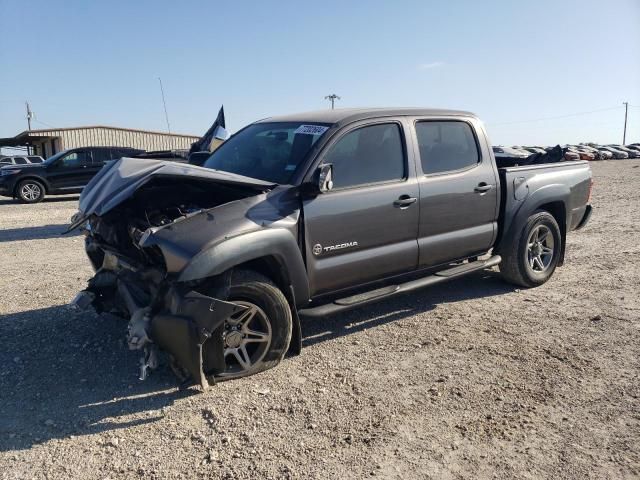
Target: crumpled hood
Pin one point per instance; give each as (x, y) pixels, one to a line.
(118, 180)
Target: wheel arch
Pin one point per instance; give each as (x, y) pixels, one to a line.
(272, 268)
(551, 198)
(558, 211)
(273, 252)
(40, 180)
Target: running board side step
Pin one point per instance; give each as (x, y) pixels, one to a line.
(366, 298)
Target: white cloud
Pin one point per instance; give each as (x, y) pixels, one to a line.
(429, 66)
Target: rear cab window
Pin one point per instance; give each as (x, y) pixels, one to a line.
(446, 146)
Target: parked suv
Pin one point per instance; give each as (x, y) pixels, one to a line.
(312, 214)
(20, 160)
(66, 172)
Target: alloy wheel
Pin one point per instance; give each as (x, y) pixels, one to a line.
(30, 191)
(540, 248)
(246, 337)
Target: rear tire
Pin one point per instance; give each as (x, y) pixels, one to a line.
(533, 256)
(30, 191)
(267, 327)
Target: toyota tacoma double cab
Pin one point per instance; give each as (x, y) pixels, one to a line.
(310, 215)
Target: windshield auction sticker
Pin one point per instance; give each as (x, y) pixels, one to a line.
(311, 130)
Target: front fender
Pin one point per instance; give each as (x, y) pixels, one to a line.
(278, 243)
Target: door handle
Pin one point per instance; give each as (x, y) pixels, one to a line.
(483, 188)
(404, 201)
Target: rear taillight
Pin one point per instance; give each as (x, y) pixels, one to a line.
(590, 189)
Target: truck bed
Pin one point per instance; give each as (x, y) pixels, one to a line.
(532, 185)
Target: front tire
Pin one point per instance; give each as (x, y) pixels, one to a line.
(256, 339)
(534, 254)
(30, 191)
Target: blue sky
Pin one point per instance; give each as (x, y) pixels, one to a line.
(514, 63)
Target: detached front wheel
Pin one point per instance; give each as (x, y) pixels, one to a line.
(534, 254)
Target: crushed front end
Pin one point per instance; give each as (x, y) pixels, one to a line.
(162, 314)
(138, 246)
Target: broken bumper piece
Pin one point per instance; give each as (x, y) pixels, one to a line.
(181, 328)
(183, 333)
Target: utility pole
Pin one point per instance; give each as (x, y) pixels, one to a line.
(29, 114)
(332, 98)
(166, 115)
(29, 117)
(624, 135)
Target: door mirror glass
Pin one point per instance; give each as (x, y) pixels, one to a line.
(325, 177)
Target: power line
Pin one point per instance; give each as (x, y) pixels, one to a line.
(558, 116)
(42, 123)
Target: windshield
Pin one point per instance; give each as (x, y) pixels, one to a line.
(267, 151)
(55, 157)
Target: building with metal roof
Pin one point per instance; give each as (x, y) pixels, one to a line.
(53, 140)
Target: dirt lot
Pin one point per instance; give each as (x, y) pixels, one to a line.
(473, 379)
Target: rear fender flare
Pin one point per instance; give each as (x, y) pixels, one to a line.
(548, 194)
(277, 243)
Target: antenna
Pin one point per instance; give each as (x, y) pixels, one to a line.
(166, 115)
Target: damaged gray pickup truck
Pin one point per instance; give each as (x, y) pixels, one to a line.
(312, 214)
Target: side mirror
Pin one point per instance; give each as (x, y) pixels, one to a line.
(198, 158)
(325, 177)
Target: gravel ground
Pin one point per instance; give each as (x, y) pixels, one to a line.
(472, 379)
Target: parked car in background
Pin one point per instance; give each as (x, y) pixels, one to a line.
(501, 151)
(617, 154)
(535, 149)
(20, 159)
(633, 146)
(596, 153)
(584, 154)
(629, 151)
(571, 154)
(604, 154)
(66, 172)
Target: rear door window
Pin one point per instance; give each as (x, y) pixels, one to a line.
(20, 161)
(367, 155)
(76, 159)
(101, 155)
(446, 146)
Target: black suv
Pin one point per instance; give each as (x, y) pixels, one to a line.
(65, 172)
